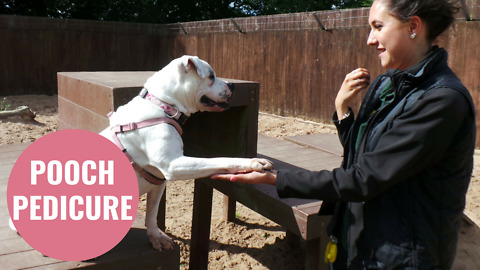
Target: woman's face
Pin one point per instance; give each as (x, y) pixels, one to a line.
(391, 37)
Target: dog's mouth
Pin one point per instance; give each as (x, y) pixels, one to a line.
(212, 103)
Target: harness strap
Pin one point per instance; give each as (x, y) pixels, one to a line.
(148, 176)
(148, 123)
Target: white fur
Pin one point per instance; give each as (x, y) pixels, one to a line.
(159, 148)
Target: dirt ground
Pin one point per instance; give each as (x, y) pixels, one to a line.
(253, 242)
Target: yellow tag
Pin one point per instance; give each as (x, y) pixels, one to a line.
(331, 252)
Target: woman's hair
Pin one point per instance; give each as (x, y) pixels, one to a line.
(438, 15)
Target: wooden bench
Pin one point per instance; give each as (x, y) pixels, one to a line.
(298, 216)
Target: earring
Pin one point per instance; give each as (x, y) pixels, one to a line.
(413, 35)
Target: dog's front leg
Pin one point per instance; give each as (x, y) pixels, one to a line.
(158, 238)
(183, 168)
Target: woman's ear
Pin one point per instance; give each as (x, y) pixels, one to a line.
(416, 26)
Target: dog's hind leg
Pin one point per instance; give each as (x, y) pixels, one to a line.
(158, 238)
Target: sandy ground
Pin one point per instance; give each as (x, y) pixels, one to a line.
(253, 242)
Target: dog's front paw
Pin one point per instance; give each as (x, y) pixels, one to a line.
(160, 241)
(261, 164)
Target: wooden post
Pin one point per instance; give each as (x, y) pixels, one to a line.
(229, 209)
(202, 213)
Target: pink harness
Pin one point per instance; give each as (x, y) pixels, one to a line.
(173, 117)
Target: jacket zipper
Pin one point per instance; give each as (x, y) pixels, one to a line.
(362, 148)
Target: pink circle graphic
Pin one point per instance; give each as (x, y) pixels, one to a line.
(72, 195)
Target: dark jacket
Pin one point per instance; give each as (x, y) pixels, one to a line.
(400, 194)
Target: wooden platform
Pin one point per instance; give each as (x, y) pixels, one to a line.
(133, 252)
(297, 216)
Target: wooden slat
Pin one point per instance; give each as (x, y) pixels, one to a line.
(10, 152)
(14, 245)
(325, 142)
(24, 259)
(299, 154)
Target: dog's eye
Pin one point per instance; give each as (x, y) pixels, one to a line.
(211, 77)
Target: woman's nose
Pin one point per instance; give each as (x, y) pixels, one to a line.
(371, 40)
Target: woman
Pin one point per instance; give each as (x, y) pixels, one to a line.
(399, 195)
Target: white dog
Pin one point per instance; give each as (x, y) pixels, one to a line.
(149, 129)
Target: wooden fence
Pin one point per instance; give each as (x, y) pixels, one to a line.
(299, 59)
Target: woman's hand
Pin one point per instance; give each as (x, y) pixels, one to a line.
(265, 177)
(354, 83)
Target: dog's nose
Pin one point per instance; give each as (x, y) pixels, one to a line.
(230, 86)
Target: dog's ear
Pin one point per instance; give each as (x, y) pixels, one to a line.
(194, 63)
